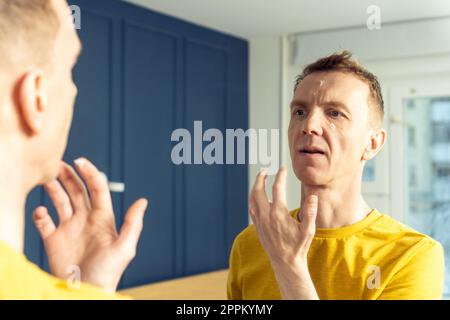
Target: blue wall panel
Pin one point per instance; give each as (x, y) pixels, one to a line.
(149, 110)
(206, 72)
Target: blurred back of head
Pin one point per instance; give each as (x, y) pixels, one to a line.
(36, 89)
(28, 29)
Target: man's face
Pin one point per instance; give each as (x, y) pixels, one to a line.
(61, 90)
(329, 127)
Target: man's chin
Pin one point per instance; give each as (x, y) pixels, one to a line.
(51, 173)
(48, 178)
(310, 176)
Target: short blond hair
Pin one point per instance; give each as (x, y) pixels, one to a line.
(343, 62)
(28, 29)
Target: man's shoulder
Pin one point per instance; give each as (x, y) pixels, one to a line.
(390, 228)
(22, 279)
(9, 257)
(248, 236)
(389, 225)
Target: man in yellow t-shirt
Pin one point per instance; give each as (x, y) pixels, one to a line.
(335, 246)
(87, 256)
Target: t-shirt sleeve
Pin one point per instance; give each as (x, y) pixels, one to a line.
(421, 277)
(234, 289)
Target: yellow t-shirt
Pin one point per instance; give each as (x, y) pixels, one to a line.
(21, 279)
(375, 258)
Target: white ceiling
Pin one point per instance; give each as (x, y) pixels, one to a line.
(260, 18)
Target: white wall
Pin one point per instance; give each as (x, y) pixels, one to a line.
(265, 81)
(269, 58)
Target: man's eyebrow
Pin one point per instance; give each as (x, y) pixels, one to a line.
(336, 104)
(298, 102)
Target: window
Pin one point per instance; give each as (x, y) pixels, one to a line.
(427, 185)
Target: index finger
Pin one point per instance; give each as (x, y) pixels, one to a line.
(258, 193)
(279, 188)
(96, 184)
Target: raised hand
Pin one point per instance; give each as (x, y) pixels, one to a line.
(86, 235)
(285, 240)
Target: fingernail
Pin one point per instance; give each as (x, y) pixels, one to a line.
(146, 204)
(80, 162)
(262, 171)
(104, 176)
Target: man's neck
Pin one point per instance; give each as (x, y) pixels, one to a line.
(12, 207)
(340, 203)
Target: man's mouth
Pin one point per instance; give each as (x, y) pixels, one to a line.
(312, 151)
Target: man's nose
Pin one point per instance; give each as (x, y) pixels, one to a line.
(313, 124)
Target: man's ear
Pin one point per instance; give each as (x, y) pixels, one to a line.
(32, 101)
(376, 142)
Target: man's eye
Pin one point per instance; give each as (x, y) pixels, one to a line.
(299, 112)
(335, 114)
